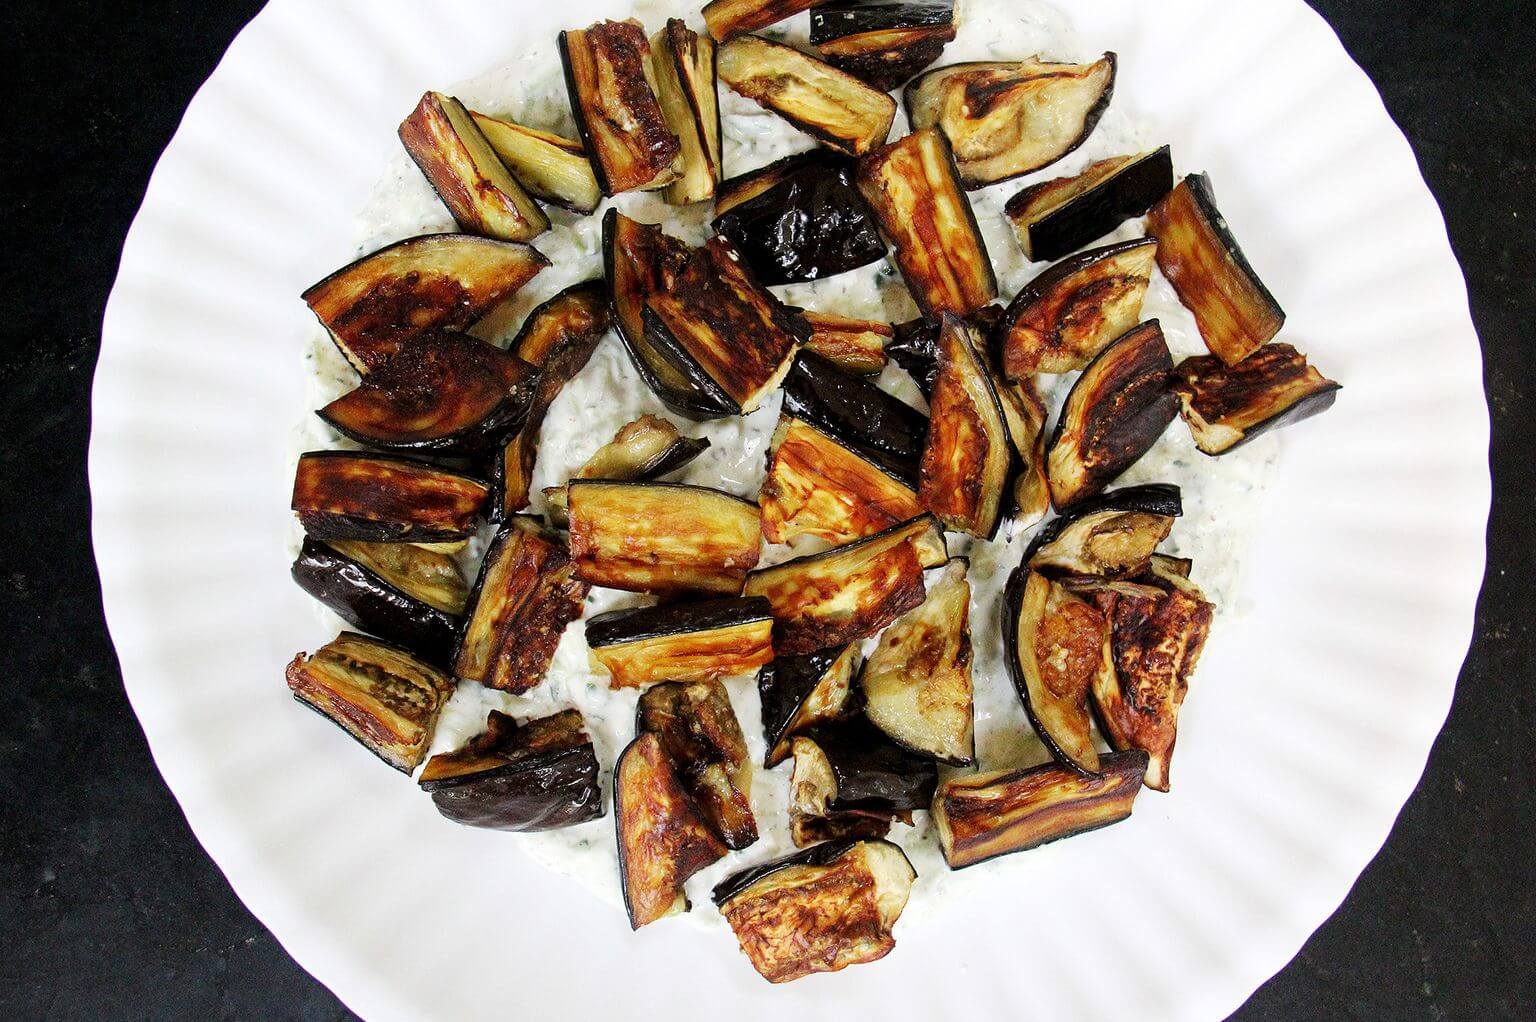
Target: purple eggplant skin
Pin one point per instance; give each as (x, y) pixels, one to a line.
(873, 773)
(635, 624)
(1087, 217)
(817, 855)
(878, 427)
(783, 687)
(915, 346)
(1149, 498)
(836, 20)
(369, 603)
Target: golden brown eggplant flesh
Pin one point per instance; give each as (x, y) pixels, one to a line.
(682, 641)
(700, 732)
(1025, 412)
(850, 766)
(856, 346)
(1055, 218)
(368, 601)
(384, 498)
(816, 486)
(1116, 410)
(1007, 118)
(1226, 406)
(1201, 258)
(883, 44)
(831, 106)
(433, 282)
(647, 448)
(1111, 536)
(819, 910)
(879, 427)
(552, 168)
(425, 574)
(538, 775)
(380, 694)
(727, 19)
(612, 88)
(1055, 645)
(683, 66)
(796, 693)
(968, 456)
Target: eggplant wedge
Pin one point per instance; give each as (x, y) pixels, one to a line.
(1025, 413)
(523, 599)
(1201, 258)
(851, 766)
(683, 67)
(1007, 118)
(368, 600)
(1226, 406)
(914, 344)
(831, 106)
(646, 449)
(883, 44)
(917, 682)
(805, 831)
(467, 174)
(1112, 536)
(612, 87)
(913, 188)
(1068, 314)
(1114, 413)
(559, 337)
(682, 641)
(968, 455)
(819, 910)
(799, 218)
(1055, 218)
(817, 487)
(730, 333)
(727, 19)
(982, 816)
(850, 591)
(662, 537)
(880, 428)
(699, 730)
(379, 694)
(856, 346)
(1055, 644)
(434, 282)
(539, 775)
(799, 692)
(552, 168)
(663, 839)
(384, 499)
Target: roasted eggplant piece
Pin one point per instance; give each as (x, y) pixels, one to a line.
(968, 455)
(851, 591)
(525, 595)
(1055, 644)
(662, 537)
(434, 282)
(1226, 406)
(982, 816)
(663, 840)
(431, 576)
(915, 344)
(819, 910)
(539, 775)
(805, 831)
(683, 67)
(856, 346)
(384, 498)
(851, 766)
(1060, 216)
(459, 163)
(1007, 118)
(368, 600)
(831, 106)
(1114, 413)
(378, 693)
(1112, 536)
(1025, 413)
(799, 218)
(682, 641)
(699, 730)
(882, 43)
(880, 428)
(799, 692)
(912, 187)
(917, 682)
(1201, 258)
(612, 87)
(648, 448)
(816, 486)
(1068, 314)
(552, 168)
(729, 18)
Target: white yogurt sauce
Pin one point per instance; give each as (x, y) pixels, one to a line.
(1220, 495)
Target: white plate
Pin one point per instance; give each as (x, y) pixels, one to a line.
(1308, 730)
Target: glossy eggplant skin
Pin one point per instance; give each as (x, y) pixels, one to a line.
(856, 346)
(682, 641)
(1111, 536)
(367, 601)
(1056, 218)
(699, 731)
(609, 79)
(968, 454)
(1226, 406)
(883, 44)
(915, 344)
(552, 168)
(797, 693)
(683, 67)
(805, 831)
(1055, 646)
(727, 19)
(1114, 413)
(799, 218)
(383, 498)
(816, 486)
(535, 776)
(880, 428)
(852, 766)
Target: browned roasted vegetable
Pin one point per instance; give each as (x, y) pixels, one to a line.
(819, 910)
(912, 187)
(647, 448)
(384, 498)
(434, 282)
(379, 694)
(539, 775)
(982, 816)
(798, 692)
(969, 454)
(851, 766)
(551, 167)
(682, 641)
(833, 107)
(683, 68)
(1025, 413)
(608, 74)
(662, 838)
(855, 346)
(458, 161)
(1006, 118)
(1056, 217)
(729, 18)
(851, 591)
(699, 730)
(817, 486)
(1070, 312)
(915, 346)
(1226, 406)
(879, 427)
(1055, 646)
(1113, 415)
(881, 43)
(1202, 260)
(1111, 536)
(805, 831)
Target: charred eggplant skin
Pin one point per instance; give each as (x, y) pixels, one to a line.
(872, 773)
(625, 134)
(368, 602)
(1050, 228)
(789, 685)
(880, 428)
(1227, 406)
(384, 499)
(884, 44)
(818, 855)
(727, 19)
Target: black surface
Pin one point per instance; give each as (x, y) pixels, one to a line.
(109, 909)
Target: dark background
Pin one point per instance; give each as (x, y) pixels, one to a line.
(110, 910)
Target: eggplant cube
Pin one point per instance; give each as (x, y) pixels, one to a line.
(880, 428)
(1055, 218)
(856, 346)
(384, 499)
(683, 67)
(612, 87)
(699, 729)
(551, 167)
(1056, 645)
(883, 44)
(1112, 536)
(682, 641)
(730, 18)
(851, 766)
(1226, 406)
(816, 486)
(797, 693)
(968, 455)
